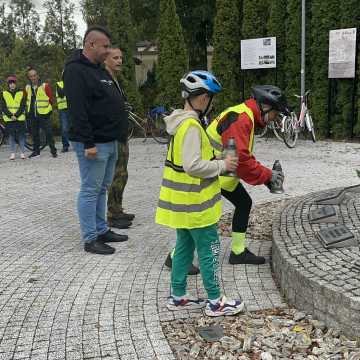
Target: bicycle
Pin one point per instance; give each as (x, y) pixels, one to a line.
(293, 125)
(275, 126)
(151, 125)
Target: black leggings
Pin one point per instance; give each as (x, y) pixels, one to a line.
(242, 202)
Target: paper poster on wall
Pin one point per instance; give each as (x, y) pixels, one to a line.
(342, 53)
(258, 53)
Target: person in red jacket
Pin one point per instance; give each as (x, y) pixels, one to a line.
(239, 122)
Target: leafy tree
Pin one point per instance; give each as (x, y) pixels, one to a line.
(145, 18)
(276, 28)
(7, 33)
(255, 14)
(149, 89)
(343, 120)
(173, 58)
(319, 52)
(26, 20)
(226, 64)
(95, 12)
(197, 22)
(120, 27)
(60, 27)
(293, 48)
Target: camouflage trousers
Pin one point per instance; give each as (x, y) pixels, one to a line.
(116, 191)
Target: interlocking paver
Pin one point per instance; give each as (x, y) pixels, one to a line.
(58, 302)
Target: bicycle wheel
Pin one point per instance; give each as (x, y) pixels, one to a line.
(158, 129)
(310, 126)
(130, 130)
(2, 135)
(277, 129)
(261, 132)
(290, 131)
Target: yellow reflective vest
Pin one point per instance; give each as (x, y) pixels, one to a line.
(228, 183)
(61, 101)
(13, 104)
(187, 202)
(42, 102)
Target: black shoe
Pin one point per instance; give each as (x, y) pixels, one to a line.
(246, 257)
(194, 270)
(125, 216)
(119, 223)
(34, 154)
(54, 154)
(98, 247)
(64, 149)
(110, 236)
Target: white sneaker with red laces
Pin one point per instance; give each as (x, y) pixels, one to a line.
(224, 307)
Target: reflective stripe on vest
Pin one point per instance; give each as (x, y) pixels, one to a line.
(185, 201)
(229, 183)
(61, 101)
(42, 102)
(13, 104)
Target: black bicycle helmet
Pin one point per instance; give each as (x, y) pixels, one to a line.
(270, 95)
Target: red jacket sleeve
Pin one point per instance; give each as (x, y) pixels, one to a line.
(49, 93)
(249, 169)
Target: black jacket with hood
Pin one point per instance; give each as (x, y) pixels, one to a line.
(95, 103)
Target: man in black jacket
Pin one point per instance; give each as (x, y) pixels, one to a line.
(98, 120)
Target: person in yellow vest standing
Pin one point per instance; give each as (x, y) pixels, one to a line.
(190, 198)
(39, 104)
(239, 122)
(13, 103)
(63, 115)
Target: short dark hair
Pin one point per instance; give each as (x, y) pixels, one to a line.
(98, 28)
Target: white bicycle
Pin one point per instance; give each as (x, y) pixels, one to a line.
(292, 125)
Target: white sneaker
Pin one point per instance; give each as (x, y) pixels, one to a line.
(22, 156)
(12, 156)
(224, 307)
(185, 303)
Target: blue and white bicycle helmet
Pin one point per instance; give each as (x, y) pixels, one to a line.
(199, 82)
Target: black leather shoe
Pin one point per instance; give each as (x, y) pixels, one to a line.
(34, 154)
(119, 223)
(246, 257)
(126, 216)
(64, 149)
(98, 247)
(194, 270)
(54, 154)
(110, 236)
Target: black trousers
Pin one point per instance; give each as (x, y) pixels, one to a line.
(242, 202)
(43, 122)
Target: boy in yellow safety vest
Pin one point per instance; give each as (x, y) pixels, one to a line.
(190, 197)
(13, 103)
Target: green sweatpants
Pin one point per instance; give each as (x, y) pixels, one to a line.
(206, 242)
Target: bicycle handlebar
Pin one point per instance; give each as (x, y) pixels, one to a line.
(306, 94)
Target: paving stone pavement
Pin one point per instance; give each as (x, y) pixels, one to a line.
(58, 302)
(323, 282)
